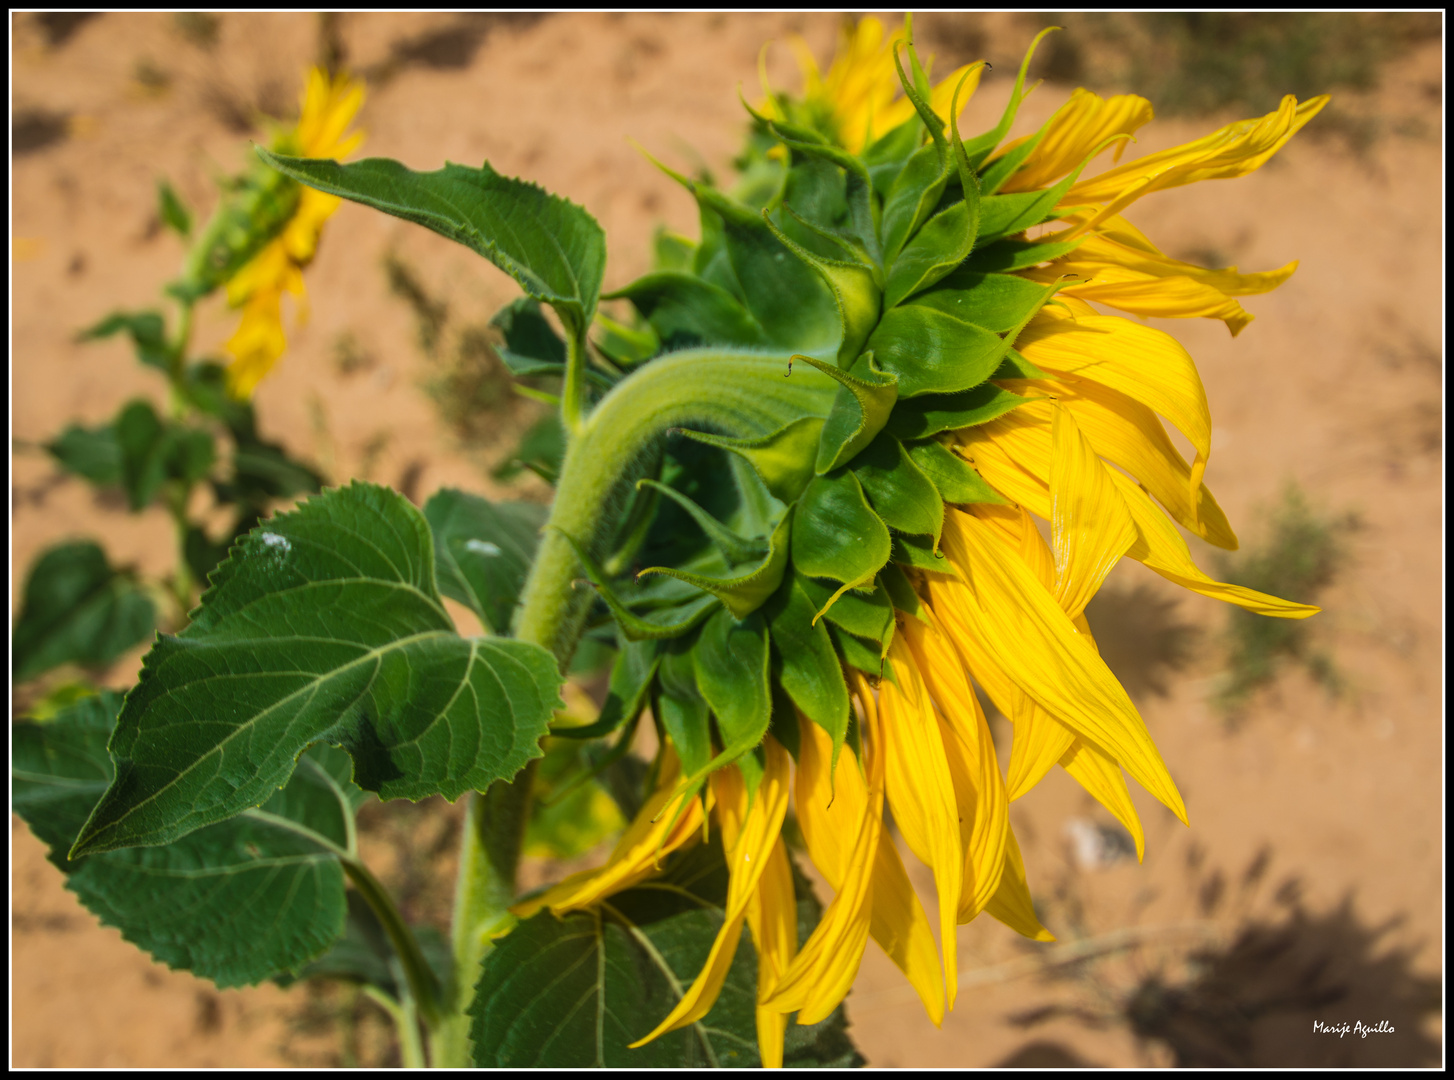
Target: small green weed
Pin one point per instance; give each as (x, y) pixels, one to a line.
(1301, 555)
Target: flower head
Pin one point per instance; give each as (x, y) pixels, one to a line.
(975, 378)
(328, 106)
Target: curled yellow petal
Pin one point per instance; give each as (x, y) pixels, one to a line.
(1083, 123)
(1102, 779)
(656, 832)
(772, 916)
(1231, 151)
(1091, 525)
(750, 829)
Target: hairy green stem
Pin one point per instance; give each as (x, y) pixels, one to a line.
(406, 1023)
(740, 394)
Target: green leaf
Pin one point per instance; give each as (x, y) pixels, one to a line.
(553, 248)
(90, 453)
(625, 346)
(684, 712)
(835, 533)
(783, 459)
(734, 548)
(575, 991)
(938, 247)
(77, 609)
(912, 197)
(934, 353)
(785, 295)
(995, 302)
(856, 293)
(324, 623)
(954, 477)
(1008, 215)
(856, 652)
(743, 593)
(483, 551)
(144, 451)
(570, 813)
(869, 615)
(861, 406)
(898, 490)
(541, 450)
(731, 663)
(1015, 366)
(236, 902)
(147, 330)
(172, 210)
(626, 691)
(918, 552)
(977, 149)
(531, 344)
(1006, 255)
(661, 620)
(687, 311)
(920, 417)
(901, 592)
(804, 663)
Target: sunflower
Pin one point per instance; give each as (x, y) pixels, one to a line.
(328, 106)
(1069, 430)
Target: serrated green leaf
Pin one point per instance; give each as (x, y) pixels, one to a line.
(77, 609)
(920, 417)
(236, 902)
(483, 551)
(550, 246)
(1015, 366)
(172, 211)
(90, 453)
(742, 593)
(897, 488)
(836, 534)
(804, 663)
(944, 241)
(1009, 215)
(731, 663)
(688, 311)
(324, 623)
(147, 330)
(575, 991)
(955, 478)
(856, 293)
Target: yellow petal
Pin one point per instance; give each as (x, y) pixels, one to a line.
(824, 969)
(1147, 295)
(1091, 525)
(772, 916)
(1101, 777)
(1144, 364)
(656, 832)
(1116, 242)
(750, 829)
(1035, 643)
(921, 791)
(1232, 151)
(1040, 742)
(1162, 549)
(1081, 125)
(1012, 904)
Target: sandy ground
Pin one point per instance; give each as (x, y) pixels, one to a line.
(1315, 857)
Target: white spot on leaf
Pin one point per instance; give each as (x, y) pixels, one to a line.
(281, 544)
(482, 547)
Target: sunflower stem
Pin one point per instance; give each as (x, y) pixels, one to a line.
(737, 393)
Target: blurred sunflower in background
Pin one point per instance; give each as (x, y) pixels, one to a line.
(1068, 428)
(328, 107)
